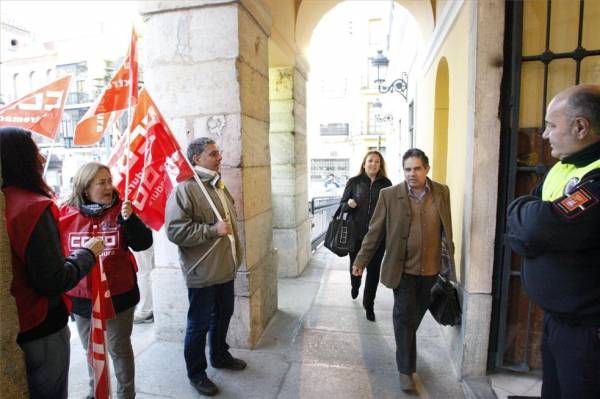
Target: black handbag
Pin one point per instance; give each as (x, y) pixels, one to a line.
(339, 238)
(444, 305)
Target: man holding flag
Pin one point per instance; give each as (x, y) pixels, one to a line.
(200, 218)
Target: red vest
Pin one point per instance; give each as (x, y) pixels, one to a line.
(119, 264)
(23, 210)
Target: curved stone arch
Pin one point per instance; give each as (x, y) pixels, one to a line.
(440, 121)
(310, 13)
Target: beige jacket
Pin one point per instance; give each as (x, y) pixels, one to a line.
(206, 259)
(391, 220)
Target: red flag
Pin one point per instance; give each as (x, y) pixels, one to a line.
(103, 112)
(156, 163)
(40, 111)
(131, 63)
(102, 310)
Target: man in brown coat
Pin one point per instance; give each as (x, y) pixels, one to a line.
(414, 218)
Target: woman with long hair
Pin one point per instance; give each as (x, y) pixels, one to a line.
(41, 273)
(95, 209)
(360, 197)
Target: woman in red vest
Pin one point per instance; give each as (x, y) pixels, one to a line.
(41, 273)
(94, 209)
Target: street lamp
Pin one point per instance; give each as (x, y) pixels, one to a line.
(399, 85)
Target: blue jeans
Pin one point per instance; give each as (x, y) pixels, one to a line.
(47, 363)
(210, 311)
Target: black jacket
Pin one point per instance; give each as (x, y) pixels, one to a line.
(51, 274)
(561, 250)
(365, 193)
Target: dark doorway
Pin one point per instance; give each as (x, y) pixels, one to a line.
(549, 45)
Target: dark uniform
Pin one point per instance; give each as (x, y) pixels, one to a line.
(557, 231)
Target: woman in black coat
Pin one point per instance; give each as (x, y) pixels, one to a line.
(360, 197)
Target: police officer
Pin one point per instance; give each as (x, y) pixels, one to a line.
(557, 231)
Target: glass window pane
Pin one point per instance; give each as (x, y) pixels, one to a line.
(561, 74)
(532, 94)
(564, 24)
(591, 29)
(534, 27)
(590, 70)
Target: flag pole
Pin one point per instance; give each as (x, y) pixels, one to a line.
(48, 158)
(127, 149)
(133, 93)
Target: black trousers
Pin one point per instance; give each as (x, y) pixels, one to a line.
(570, 360)
(373, 270)
(411, 300)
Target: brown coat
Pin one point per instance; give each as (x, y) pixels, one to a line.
(391, 220)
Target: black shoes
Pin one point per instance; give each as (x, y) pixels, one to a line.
(354, 292)
(370, 314)
(205, 386)
(230, 364)
(137, 319)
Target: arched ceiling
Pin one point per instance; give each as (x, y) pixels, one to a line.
(310, 12)
(295, 20)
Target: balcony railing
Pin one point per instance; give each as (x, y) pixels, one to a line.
(321, 211)
(77, 98)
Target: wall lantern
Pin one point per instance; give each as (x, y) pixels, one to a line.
(399, 85)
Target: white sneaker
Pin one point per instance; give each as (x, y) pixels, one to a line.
(137, 319)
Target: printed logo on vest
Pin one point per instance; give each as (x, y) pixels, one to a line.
(78, 240)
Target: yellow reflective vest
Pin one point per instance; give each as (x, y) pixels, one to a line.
(562, 175)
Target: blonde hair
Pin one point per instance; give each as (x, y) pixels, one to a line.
(82, 180)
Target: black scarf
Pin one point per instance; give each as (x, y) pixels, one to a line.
(94, 209)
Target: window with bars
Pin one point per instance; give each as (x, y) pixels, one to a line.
(322, 167)
(373, 126)
(334, 129)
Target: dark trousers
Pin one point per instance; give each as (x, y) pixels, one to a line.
(570, 360)
(47, 364)
(372, 278)
(411, 300)
(210, 311)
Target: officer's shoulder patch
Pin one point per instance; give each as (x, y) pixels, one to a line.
(576, 203)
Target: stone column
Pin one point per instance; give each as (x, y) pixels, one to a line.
(469, 342)
(12, 363)
(291, 222)
(206, 66)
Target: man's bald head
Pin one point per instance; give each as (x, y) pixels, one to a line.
(573, 120)
(583, 101)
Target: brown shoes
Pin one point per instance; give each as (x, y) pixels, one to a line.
(406, 382)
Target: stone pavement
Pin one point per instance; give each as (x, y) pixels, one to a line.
(318, 345)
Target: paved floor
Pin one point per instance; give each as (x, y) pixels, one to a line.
(318, 345)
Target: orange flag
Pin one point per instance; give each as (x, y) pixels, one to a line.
(115, 97)
(40, 111)
(100, 115)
